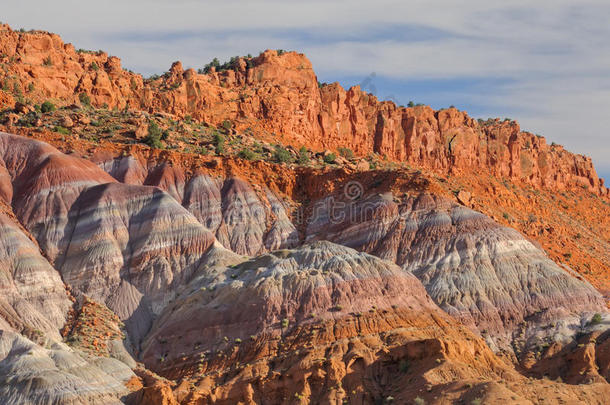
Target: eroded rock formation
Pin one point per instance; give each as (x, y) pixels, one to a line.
(277, 97)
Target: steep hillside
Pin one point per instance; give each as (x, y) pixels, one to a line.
(250, 236)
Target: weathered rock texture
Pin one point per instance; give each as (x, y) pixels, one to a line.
(33, 299)
(247, 219)
(322, 322)
(31, 374)
(201, 259)
(277, 97)
(480, 272)
(120, 244)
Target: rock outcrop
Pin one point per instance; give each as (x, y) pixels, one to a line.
(277, 97)
(244, 281)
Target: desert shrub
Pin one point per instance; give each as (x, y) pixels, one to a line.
(330, 158)
(285, 323)
(596, 319)
(346, 153)
(48, 61)
(31, 87)
(281, 155)
(62, 130)
(303, 158)
(84, 99)
(153, 138)
(247, 154)
(219, 143)
(47, 106)
(419, 401)
(94, 66)
(226, 124)
(410, 104)
(215, 63)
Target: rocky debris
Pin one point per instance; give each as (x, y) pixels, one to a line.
(464, 197)
(148, 238)
(21, 108)
(6, 100)
(67, 122)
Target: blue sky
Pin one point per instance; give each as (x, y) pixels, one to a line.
(546, 64)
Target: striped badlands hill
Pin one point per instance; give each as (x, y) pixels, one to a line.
(486, 275)
(297, 318)
(127, 246)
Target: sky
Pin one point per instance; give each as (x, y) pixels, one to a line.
(544, 63)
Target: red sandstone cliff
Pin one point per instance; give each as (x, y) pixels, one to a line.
(277, 97)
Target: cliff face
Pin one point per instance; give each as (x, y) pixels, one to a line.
(277, 97)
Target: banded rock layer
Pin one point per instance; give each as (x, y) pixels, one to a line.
(486, 275)
(127, 246)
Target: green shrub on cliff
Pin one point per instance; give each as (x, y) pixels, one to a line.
(303, 158)
(281, 155)
(596, 319)
(346, 153)
(219, 143)
(153, 138)
(47, 107)
(247, 154)
(84, 99)
(330, 158)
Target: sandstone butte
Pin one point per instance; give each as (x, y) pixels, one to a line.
(278, 97)
(138, 275)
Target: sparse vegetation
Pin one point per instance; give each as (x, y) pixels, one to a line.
(219, 143)
(282, 155)
(62, 130)
(346, 153)
(153, 139)
(330, 158)
(232, 64)
(47, 107)
(303, 158)
(247, 154)
(596, 319)
(94, 66)
(47, 61)
(84, 99)
(226, 124)
(419, 401)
